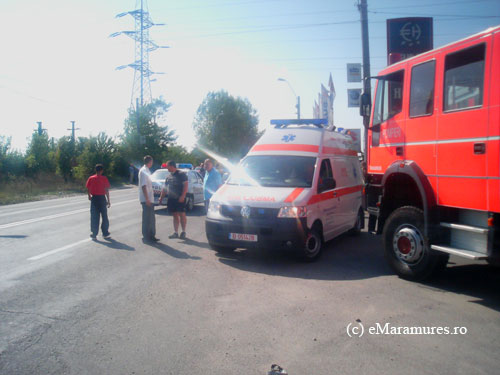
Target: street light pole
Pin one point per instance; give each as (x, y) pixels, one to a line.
(296, 97)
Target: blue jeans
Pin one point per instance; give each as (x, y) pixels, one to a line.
(98, 208)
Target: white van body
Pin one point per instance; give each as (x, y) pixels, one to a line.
(283, 193)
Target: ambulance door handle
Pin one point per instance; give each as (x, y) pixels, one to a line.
(399, 150)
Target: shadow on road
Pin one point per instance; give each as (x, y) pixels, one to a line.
(189, 241)
(345, 258)
(479, 281)
(197, 210)
(14, 236)
(114, 244)
(171, 251)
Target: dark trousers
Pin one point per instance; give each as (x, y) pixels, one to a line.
(97, 209)
(148, 221)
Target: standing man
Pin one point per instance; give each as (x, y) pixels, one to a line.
(211, 183)
(177, 183)
(98, 192)
(146, 198)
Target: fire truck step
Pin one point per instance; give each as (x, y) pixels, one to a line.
(469, 254)
(467, 228)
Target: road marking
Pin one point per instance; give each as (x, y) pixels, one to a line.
(29, 221)
(46, 254)
(79, 201)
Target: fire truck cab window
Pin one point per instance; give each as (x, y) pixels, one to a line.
(389, 97)
(464, 78)
(422, 89)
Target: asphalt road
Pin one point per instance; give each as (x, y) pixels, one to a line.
(72, 306)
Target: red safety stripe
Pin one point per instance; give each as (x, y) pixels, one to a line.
(339, 151)
(329, 194)
(283, 147)
(294, 194)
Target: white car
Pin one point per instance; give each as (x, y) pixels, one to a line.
(195, 187)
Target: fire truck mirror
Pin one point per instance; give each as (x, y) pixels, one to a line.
(365, 106)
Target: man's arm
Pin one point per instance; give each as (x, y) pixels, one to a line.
(184, 191)
(88, 193)
(107, 196)
(145, 192)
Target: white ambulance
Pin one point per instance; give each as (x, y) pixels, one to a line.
(299, 186)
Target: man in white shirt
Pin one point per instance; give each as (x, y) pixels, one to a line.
(146, 198)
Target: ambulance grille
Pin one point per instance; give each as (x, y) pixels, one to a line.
(255, 212)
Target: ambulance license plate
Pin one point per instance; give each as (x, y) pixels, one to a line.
(243, 237)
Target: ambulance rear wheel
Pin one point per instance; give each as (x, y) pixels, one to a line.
(406, 248)
(359, 224)
(311, 250)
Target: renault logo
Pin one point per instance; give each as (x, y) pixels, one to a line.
(245, 212)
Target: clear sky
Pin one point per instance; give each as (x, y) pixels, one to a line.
(58, 62)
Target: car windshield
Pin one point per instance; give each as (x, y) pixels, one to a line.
(274, 171)
(160, 174)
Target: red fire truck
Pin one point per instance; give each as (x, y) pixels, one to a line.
(433, 156)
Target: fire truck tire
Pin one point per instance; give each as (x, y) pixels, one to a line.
(406, 248)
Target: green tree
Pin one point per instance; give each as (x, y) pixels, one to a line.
(40, 156)
(226, 125)
(152, 138)
(97, 150)
(65, 157)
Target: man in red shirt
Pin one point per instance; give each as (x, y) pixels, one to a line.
(98, 191)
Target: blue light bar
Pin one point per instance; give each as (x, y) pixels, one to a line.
(312, 121)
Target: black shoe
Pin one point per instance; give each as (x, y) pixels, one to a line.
(174, 235)
(106, 236)
(183, 235)
(154, 239)
(93, 236)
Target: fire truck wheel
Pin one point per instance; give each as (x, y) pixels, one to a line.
(406, 248)
(311, 250)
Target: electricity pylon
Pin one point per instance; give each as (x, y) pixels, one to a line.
(141, 89)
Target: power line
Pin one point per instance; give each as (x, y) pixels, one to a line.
(434, 4)
(433, 15)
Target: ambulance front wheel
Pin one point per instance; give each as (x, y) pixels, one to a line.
(311, 250)
(406, 248)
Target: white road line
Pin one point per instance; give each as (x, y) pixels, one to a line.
(46, 254)
(29, 221)
(79, 201)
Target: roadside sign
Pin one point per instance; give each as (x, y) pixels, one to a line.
(409, 36)
(353, 97)
(353, 72)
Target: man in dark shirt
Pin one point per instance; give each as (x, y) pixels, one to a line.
(177, 187)
(98, 192)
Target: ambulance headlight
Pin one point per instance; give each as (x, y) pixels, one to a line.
(214, 207)
(292, 212)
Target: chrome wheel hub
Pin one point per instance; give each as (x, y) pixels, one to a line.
(408, 244)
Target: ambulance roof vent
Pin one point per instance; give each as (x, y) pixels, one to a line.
(318, 122)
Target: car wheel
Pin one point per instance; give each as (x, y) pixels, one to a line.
(221, 249)
(311, 250)
(406, 248)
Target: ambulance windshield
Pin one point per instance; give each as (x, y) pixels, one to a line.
(274, 171)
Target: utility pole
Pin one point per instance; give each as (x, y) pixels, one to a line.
(363, 9)
(73, 131)
(40, 130)
(298, 107)
(141, 88)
